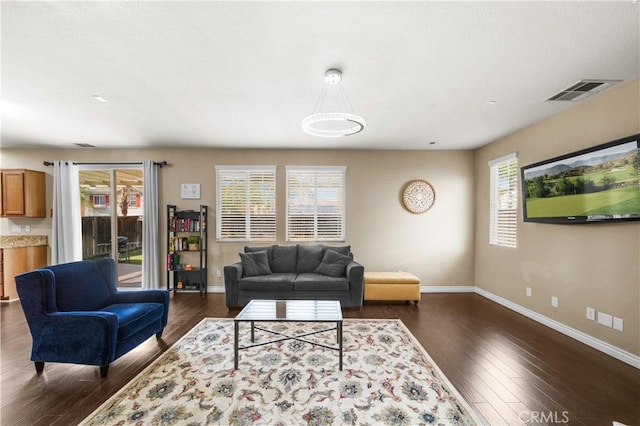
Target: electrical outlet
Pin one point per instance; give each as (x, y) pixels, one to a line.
(16, 228)
(591, 314)
(528, 291)
(27, 228)
(605, 319)
(618, 324)
(218, 273)
(554, 301)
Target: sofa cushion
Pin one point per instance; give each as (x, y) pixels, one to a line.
(344, 250)
(285, 259)
(333, 264)
(276, 282)
(84, 289)
(309, 257)
(269, 250)
(317, 282)
(255, 263)
(133, 317)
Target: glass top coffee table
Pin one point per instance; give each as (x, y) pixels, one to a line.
(265, 311)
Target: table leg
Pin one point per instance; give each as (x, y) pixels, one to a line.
(339, 327)
(235, 344)
(253, 334)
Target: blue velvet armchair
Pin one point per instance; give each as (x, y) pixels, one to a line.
(76, 315)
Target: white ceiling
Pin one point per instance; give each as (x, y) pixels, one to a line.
(244, 74)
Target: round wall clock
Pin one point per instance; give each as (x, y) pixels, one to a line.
(418, 196)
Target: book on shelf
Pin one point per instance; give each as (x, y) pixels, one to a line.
(184, 225)
(191, 243)
(173, 260)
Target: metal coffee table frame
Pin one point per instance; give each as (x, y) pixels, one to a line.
(260, 311)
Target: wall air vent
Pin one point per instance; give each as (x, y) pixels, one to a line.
(582, 90)
(85, 145)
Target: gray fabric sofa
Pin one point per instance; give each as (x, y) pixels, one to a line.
(302, 272)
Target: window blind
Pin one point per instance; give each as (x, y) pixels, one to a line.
(245, 203)
(315, 203)
(503, 205)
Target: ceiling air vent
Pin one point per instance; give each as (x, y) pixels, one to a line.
(583, 89)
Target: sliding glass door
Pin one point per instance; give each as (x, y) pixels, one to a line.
(111, 210)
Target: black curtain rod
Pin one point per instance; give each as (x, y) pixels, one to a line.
(157, 163)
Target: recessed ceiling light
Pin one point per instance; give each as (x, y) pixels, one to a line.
(490, 103)
(99, 98)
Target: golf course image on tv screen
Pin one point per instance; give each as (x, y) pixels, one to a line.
(597, 184)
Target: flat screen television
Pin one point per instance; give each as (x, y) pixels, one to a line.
(597, 184)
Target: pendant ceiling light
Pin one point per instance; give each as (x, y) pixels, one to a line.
(333, 99)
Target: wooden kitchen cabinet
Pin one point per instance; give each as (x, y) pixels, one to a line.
(15, 261)
(23, 193)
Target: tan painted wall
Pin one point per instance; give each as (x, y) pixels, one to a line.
(437, 246)
(595, 265)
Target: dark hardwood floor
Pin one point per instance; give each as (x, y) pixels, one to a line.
(510, 369)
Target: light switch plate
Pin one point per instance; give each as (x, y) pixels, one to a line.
(605, 319)
(618, 324)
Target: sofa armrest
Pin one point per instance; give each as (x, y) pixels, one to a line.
(79, 337)
(355, 275)
(141, 296)
(145, 296)
(232, 274)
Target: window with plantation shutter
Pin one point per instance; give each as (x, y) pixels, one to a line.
(245, 203)
(503, 203)
(315, 203)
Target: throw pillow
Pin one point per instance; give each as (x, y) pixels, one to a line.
(255, 263)
(285, 259)
(344, 250)
(333, 264)
(269, 250)
(309, 257)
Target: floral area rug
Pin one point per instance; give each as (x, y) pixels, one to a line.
(388, 379)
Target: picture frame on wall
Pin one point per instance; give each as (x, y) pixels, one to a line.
(190, 191)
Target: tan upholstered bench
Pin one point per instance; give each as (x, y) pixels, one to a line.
(391, 286)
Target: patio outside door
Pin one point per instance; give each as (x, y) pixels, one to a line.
(111, 210)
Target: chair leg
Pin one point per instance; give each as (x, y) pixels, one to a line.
(39, 366)
(104, 370)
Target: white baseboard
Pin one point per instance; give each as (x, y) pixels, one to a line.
(447, 289)
(215, 288)
(580, 336)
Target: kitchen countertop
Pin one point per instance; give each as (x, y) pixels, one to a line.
(16, 241)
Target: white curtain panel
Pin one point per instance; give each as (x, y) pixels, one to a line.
(66, 244)
(150, 231)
